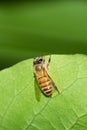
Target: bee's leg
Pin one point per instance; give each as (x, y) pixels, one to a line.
(34, 75)
(49, 60)
(43, 57)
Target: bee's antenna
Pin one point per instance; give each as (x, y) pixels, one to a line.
(49, 59)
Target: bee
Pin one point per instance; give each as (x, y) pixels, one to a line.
(42, 78)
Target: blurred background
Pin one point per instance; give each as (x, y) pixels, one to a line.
(38, 27)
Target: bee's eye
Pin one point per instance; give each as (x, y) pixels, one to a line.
(40, 60)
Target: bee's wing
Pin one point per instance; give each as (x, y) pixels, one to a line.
(37, 89)
(54, 86)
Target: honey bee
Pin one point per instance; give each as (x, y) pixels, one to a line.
(42, 78)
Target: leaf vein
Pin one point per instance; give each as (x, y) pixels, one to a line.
(49, 122)
(36, 115)
(76, 122)
(10, 103)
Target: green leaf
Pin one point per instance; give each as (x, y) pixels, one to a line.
(19, 109)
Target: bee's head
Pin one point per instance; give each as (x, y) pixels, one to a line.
(38, 60)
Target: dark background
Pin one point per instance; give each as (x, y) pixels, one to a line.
(33, 28)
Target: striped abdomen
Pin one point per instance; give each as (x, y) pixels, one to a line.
(46, 85)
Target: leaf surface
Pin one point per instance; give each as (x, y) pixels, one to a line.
(19, 109)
